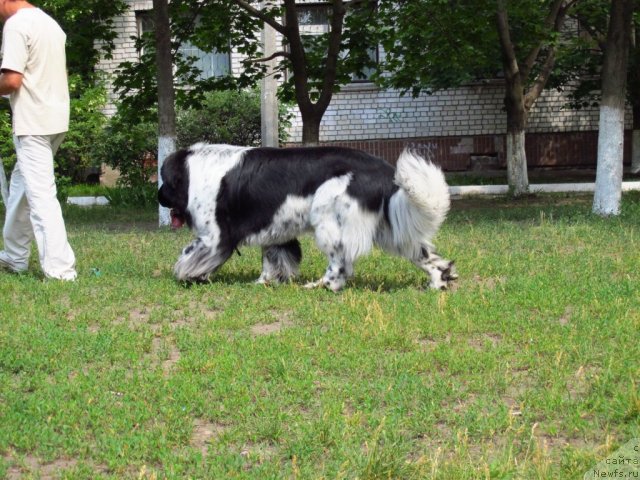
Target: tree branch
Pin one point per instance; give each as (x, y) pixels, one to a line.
(271, 57)
(297, 57)
(545, 72)
(541, 80)
(554, 21)
(333, 53)
(510, 62)
(254, 12)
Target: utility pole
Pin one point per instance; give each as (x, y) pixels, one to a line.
(268, 88)
(166, 95)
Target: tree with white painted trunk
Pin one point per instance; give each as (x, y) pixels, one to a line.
(166, 94)
(606, 200)
(525, 78)
(437, 45)
(586, 62)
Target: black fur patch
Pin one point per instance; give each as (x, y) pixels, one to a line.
(252, 192)
(174, 192)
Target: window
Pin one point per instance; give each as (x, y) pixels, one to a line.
(314, 20)
(210, 64)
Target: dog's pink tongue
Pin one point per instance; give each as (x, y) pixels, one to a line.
(176, 221)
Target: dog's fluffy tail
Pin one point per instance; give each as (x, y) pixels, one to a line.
(421, 204)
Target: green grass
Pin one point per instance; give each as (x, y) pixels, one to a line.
(86, 190)
(528, 369)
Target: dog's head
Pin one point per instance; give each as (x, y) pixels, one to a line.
(174, 192)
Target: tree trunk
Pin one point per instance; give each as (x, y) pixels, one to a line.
(166, 94)
(517, 163)
(608, 192)
(634, 95)
(4, 186)
(516, 126)
(635, 143)
(311, 128)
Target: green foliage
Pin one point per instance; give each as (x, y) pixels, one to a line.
(581, 62)
(222, 26)
(356, 57)
(227, 117)
(89, 28)
(135, 196)
(132, 148)
(434, 45)
(76, 154)
(7, 149)
(224, 117)
(216, 25)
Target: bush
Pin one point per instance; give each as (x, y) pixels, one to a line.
(224, 117)
(75, 155)
(7, 149)
(75, 158)
(139, 196)
(132, 148)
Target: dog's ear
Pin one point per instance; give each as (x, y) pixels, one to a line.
(174, 167)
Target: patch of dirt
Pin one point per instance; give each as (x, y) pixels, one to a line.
(31, 465)
(174, 357)
(270, 328)
(430, 344)
(479, 342)
(203, 433)
(283, 321)
(565, 318)
(489, 283)
(580, 383)
(257, 454)
(138, 316)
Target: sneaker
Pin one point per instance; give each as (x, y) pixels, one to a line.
(7, 264)
(66, 277)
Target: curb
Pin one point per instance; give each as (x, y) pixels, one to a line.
(471, 190)
(456, 191)
(88, 201)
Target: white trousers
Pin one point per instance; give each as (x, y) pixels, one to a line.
(33, 210)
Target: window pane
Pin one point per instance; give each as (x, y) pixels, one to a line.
(315, 19)
(211, 64)
(313, 15)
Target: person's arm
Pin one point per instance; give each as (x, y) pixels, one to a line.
(10, 81)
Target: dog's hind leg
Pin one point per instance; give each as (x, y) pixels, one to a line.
(199, 260)
(280, 262)
(340, 269)
(440, 270)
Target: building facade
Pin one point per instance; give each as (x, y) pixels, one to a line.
(462, 128)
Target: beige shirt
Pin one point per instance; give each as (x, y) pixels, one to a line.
(33, 44)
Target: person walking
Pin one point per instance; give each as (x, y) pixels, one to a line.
(33, 73)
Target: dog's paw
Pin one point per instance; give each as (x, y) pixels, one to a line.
(334, 286)
(316, 284)
(444, 276)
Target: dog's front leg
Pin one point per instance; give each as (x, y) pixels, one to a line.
(200, 259)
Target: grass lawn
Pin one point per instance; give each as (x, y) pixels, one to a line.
(528, 369)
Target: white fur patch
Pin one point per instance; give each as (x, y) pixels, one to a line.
(290, 221)
(207, 166)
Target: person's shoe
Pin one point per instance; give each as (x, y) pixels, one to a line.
(68, 276)
(7, 264)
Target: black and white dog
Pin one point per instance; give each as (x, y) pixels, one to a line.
(232, 196)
